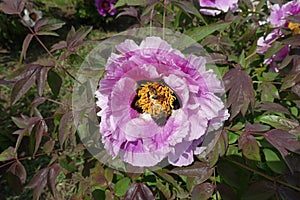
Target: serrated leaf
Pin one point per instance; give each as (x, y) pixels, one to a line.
(54, 82)
(12, 6)
(274, 162)
(25, 45)
(138, 191)
(241, 93)
(18, 170)
(7, 154)
(121, 186)
(249, 146)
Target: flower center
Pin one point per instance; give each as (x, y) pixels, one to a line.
(105, 5)
(156, 99)
(33, 16)
(294, 27)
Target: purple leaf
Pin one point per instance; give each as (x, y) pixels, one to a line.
(54, 170)
(22, 86)
(36, 102)
(47, 25)
(130, 11)
(283, 141)
(41, 77)
(7, 154)
(249, 146)
(260, 190)
(54, 82)
(241, 92)
(75, 38)
(290, 80)
(296, 89)
(202, 191)
(287, 193)
(38, 182)
(41, 128)
(59, 45)
(12, 6)
(138, 191)
(197, 169)
(256, 127)
(25, 45)
(18, 170)
(271, 107)
(66, 128)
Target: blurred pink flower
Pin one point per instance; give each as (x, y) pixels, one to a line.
(105, 7)
(156, 103)
(221, 5)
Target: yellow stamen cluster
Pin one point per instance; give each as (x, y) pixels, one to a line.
(155, 98)
(294, 27)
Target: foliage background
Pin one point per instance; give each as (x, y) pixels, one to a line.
(256, 155)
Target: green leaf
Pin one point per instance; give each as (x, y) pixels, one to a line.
(122, 186)
(121, 3)
(54, 81)
(201, 32)
(278, 122)
(274, 162)
(7, 154)
(249, 146)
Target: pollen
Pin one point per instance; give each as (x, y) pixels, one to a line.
(294, 27)
(156, 99)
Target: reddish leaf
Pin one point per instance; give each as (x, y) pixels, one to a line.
(241, 92)
(256, 127)
(249, 146)
(46, 25)
(59, 45)
(296, 89)
(25, 45)
(54, 170)
(66, 127)
(41, 80)
(38, 182)
(14, 183)
(138, 191)
(12, 6)
(283, 141)
(7, 154)
(22, 86)
(75, 38)
(197, 169)
(41, 128)
(260, 190)
(36, 102)
(271, 107)
(18, 170)
(226, 192)
(202, 191)
(130, 11)
(287, 193)
(290, 80)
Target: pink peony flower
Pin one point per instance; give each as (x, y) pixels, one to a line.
(105, 6)
(156, 103)
(279, 13)
(219, 4)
